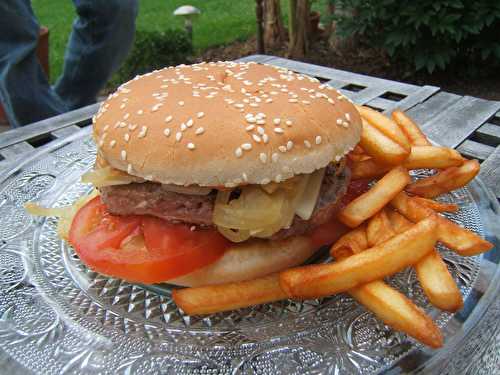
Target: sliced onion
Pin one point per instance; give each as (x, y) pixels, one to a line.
(109, 176)
(65, 214)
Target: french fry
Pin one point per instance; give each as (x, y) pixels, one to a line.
(368, 169)
(397, 311)
(379, 229)
(433, 157)
(432, 273)
(358, 157)
(389, 305)
(352, 242)
(445, 181)
(437, 283)
(400, 251)
(435, 205)
(411, 130)
(460, 240)
(379, 146)
(230, 296)
(358, 150)
(369, 203)
(385, 125)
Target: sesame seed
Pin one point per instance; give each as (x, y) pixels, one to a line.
(181, 103)
(292, 100)
(168, 119)
(289, 122)
(339, 121)
(278, 178)
(178, 136)
(274, 157)
(189, 123)
(166, 132)
(306, 102)
(122, 124)
(106, 127)
(246, 146)
(307, 143)
(282, 148)
(239, 105)
(269, 100)
(126, 137)
(191, 146)
(112, 143)
(253, 105)
(256, 138)
(278, 130)
(348, 116)
(338, 157)
(265, 181)
(200, 114)
(129, 168)
(156, 107)
(143, 132)
(261, 122)
(251, 120)
(330, 100)
(183, 127)
(260, 130)
(260, 115)
(317, 139)
(199, 131)
(250, 128)
(245, 177)
(265, 138)
(277, 121)
(238, 152)
(122, 106)
(345, 124)
(263, 157)
(126, 116)
(289, 145)
(123, 154)
(273, 93)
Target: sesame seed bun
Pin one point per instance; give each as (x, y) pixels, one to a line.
(250, 260)
(224, 124)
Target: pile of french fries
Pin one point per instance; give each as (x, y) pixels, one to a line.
(394, 225)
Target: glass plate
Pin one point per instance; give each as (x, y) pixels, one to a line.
(57, 316)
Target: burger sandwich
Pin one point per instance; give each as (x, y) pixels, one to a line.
(214, 172)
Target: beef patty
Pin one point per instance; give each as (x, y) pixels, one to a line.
(151, 198)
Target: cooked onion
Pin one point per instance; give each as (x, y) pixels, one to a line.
(65, 214)
(109, 176)
(260, 211)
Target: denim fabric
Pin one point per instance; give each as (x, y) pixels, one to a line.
(102, 35)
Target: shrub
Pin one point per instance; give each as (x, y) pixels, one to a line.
(427, 34)
(154, 50)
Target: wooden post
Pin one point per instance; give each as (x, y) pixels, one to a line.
(274, 31)
(260, 32)
(292, 6)
(299, 36)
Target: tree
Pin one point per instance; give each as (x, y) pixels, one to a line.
(298, 28)
(274, 31)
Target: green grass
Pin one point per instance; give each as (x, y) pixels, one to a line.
(221, 22)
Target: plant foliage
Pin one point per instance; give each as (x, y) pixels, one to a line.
(154, 50)
(428, 34)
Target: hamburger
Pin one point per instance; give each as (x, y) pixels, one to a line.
(214, 172)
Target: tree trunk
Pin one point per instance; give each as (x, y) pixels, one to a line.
(274, 31)
(260, 34)
(299, 41)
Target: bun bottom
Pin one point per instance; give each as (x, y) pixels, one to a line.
(249, 260)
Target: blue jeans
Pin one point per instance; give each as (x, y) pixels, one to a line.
(101, 38)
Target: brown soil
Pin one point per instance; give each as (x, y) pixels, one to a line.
(363, 59)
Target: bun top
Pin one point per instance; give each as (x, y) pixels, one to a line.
(224, 124)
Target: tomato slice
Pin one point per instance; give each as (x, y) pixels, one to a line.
(141, 248)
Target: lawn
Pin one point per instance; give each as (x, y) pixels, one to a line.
(221, 21)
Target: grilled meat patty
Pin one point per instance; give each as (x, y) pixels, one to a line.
(151, 198)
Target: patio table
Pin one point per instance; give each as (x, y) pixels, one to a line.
(469, 124)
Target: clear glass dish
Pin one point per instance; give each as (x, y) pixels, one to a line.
(57, 316)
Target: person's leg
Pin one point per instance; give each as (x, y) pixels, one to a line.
(25, 92)
(99, 43)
